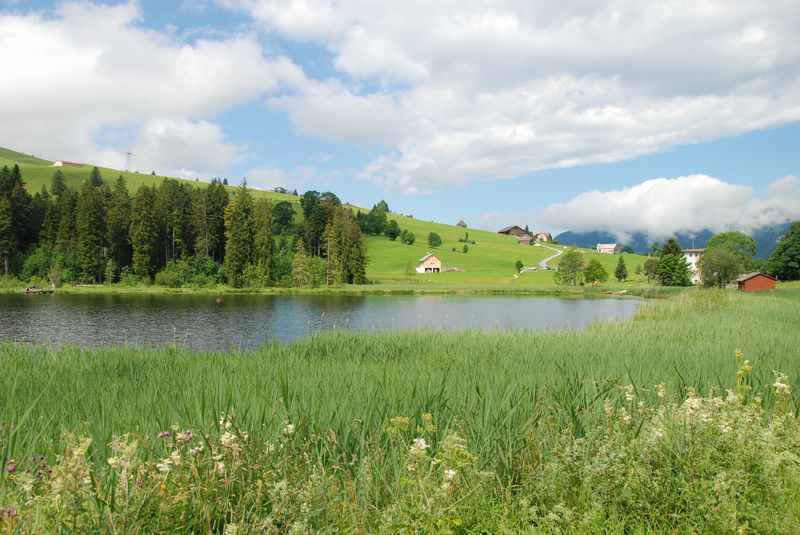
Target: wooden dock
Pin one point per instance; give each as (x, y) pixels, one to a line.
(38, 291)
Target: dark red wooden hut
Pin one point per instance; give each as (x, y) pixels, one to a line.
(756, 282)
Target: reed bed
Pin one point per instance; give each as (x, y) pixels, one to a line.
(682, 420)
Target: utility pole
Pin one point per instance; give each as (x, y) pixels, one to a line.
(128, 156)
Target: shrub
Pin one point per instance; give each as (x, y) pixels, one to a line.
(595, 272)
(434, 240)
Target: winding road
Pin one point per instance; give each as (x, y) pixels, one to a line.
(543, 263)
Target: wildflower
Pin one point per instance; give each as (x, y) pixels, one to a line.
(11, 466)
(225, 421)
(630, 393)
(288, 429)
(608, 408)
(165, 434)
(165, 465)
(449, 474)
(427, 422)
(724, 428)
(661, 390)
(625, 417)
(220, 468)
(196, 450)
(9, 512)
(400, 422)
(781, 384)
(184, 438)
(228, 440)
(419, 446)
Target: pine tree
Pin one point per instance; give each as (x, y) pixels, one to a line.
(119, 222)
(95, 178)
(144, 233)
(621, 273)
(67, 204)
(672, 269)
(263, 244)
(58, 185)
(301, 265)
(784, 262)
(240, 236)
(8, 242)
(90, 226)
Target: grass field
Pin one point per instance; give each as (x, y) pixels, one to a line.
(489, 263)
(546, 432)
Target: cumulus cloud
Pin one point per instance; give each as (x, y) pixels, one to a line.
(665, 206)
(74, 75)
(465, 90)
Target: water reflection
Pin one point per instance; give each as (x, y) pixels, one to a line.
(249, 321)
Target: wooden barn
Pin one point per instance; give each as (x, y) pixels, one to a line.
(513, 230)
(430, 263)
(756, 282)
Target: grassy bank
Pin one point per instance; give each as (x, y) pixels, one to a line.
(421, 432)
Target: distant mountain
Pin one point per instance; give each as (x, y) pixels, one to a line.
(766, 239)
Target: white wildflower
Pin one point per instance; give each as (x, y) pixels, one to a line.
(449, 474)
(661, 390)
(781, 384)
(419, 446)
(630, 393)
(165, 465)
(288, 429)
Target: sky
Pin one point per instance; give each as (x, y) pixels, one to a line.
(616, 115)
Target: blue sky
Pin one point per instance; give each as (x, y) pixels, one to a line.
(555, 116)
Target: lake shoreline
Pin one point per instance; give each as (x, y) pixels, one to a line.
(618, 290)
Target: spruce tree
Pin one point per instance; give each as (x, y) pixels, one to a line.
(58, 185)
(90, 225)
(67, 203)
(95, 178)
(239, 235)
(621, 273)
(301, 265)
(784, 262)
(91, 233)
(144, 233)
(119, 222)
(263, 244)
(8, 242)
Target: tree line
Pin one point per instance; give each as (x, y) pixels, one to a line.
(727, 255)
(175, 233)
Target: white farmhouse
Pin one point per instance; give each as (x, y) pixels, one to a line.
(693, 257)
(609, 248)
(430, 263)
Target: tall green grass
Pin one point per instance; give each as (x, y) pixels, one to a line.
(519, 401)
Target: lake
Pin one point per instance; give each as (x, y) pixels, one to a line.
(249, 321)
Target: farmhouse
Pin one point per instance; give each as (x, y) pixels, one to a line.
(692, 257)
(756, 282)
(64, 163)
(525, 240)
(543, 236)
(609, 248)
(429, 263)
(513, 230)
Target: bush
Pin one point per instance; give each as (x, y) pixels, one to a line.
(407, 237)
(434, 240)
(595, 272)
(195, 271)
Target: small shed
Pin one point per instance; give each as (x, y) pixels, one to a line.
(525, 240)
(430, 263)
(543, 236)
(756, 282)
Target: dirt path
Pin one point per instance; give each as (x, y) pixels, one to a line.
(543, 263)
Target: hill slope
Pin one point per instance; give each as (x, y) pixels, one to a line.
(490, 261)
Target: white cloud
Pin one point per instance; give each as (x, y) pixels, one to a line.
(664, 206)
(74, 75)
(465, 90)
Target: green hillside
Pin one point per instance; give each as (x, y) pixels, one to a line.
(489, 262)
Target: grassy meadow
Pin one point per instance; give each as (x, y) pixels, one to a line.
(683, 420)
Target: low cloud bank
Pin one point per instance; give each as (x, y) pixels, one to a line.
(662, 207)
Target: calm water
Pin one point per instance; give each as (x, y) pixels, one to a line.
(247, 322)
